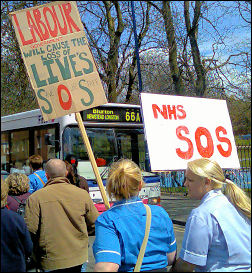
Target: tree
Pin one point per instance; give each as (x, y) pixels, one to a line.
(228, 60)
(115, 56)
(172, 46)
(172, 37)
(156, 72)
(192, 32)
(16, 91)
(115, 35)
(240, 114)
(197, 69)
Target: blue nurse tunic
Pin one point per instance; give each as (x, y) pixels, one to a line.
(119, 233)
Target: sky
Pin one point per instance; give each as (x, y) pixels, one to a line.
(241, 30)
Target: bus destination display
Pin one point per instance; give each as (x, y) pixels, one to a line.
(112, 114)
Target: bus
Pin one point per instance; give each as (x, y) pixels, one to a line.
(114, 130)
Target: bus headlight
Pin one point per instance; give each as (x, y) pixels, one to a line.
(154, 201)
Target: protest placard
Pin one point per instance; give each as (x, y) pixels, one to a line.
(179, 129)
(58, 60)
(60, 65)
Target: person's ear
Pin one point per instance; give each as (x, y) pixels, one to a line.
(140, 185)
(207, 182)
(66, 173)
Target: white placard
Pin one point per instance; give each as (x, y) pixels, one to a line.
(180, 129)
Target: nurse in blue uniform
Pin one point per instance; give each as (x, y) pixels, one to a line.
(119, 231)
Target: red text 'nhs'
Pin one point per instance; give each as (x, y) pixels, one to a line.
(169, 111)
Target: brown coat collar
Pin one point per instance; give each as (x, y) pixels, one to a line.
(57, 180)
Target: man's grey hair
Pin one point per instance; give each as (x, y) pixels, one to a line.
(55, 168)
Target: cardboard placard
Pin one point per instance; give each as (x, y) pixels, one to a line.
(58, 60)
(180, 129)
(60, 65)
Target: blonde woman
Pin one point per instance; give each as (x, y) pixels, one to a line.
(218, 233)
(18, 189)
(119, 231)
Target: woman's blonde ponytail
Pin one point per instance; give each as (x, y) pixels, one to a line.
(238, 197)
(124, 179)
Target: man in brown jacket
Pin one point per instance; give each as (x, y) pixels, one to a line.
(60, 216)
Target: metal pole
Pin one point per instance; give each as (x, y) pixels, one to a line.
(136, 47)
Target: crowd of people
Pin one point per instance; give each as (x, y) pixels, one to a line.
(60, 216)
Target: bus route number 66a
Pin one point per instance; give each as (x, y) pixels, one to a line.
(132, 116)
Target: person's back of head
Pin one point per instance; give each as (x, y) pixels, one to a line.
(72, 159)
(18, 183)
(36, 162)
(207, 168)
(4, 192)
(210, 169)
(70, 173)
(55, 168)
(124, 179)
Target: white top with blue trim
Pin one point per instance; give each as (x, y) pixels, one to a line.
(217, 236)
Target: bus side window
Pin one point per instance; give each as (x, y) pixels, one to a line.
(19, 150)
(5, 151)
(45, 143)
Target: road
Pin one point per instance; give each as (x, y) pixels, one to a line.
(178, 206)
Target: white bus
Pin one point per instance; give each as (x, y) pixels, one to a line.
(114, 130)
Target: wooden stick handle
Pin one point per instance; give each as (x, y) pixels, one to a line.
(92, 159)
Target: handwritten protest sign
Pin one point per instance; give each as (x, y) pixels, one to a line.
(179, 129)
(59, 63)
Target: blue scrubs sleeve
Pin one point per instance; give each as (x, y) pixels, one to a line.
(172, 240)
(197, 238)
(106, 247)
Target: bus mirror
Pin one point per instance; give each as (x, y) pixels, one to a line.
(48, 139)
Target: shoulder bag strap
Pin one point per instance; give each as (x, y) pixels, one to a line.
(40, 179)
(145, 240)
(19, 201)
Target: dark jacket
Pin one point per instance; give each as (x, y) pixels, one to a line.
(83, 184)
(16, 243)
(13, 204)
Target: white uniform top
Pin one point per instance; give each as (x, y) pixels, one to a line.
(217, 236)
